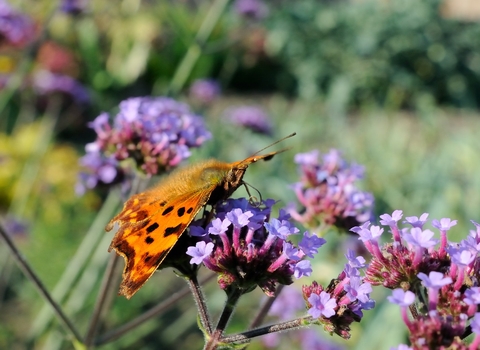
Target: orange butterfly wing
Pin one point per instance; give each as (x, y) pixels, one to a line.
(149, 228)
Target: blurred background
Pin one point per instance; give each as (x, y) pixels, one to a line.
(393, 84)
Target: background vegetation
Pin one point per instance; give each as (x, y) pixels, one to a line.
(393, 84)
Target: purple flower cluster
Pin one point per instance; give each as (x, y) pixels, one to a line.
(328, 193)
(254, 9)
(73, 7)
(437, 280)
(15, 27)
(247, 248)
(205, 91)
(156, 133)
(250, 117)
(343, 301)
(45, 82)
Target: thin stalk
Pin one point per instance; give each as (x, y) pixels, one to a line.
(101, 298)
(153, 312)
(194, 52)
(244, 337)
(77, 263)
(232, 300)
(31, 275)
(201, 305)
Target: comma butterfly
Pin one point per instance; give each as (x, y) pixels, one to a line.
(151, 222)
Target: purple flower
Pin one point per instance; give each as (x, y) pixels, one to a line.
(371, 234)
(310, 244)
(303, 268)
(327, 192)
(322, 305)
(461, 257)
(219, 226)
(156, 133)
(355, 261)
(15, 228)
(200, 252)
(472, 296)
(250, 117)
(420, 238)
(204, 91)
(254, 9)
(278, 228)
(239, 218)
(245, 255)
(15, 27)
(475, 324)
(401, 297)
(415, 221)
(73, 7)
(99, 170)
(391, 220)
(45, 82)
(444, 224)
(358, 290)
(434, 280)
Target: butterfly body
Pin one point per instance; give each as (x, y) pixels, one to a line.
(151, 222)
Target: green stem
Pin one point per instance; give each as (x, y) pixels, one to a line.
(153, 312)
(244, 337)
(201, 305)
(194, 52)
(232, 300)
(32, 276)
(100, 303)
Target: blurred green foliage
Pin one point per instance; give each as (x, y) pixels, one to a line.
(391, 53)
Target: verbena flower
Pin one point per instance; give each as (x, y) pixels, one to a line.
(15, 27)
(250, 117)
(436, 279)
(341, 302)
(45, 82)
(154, 133)
(73, 7)
(205, 91)
(15, 228)
(328, 193)
(250, 248)
(254, 9)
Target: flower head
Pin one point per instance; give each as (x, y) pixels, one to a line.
(45, 82)
(254, 9)
(250, 117)
(327, 192)
(73, 7)
(205, 91)
(251, 249)
(155, 133)
(15, 27)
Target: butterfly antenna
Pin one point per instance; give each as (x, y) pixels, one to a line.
(273, 144)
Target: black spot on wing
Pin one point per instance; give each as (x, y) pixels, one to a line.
(149, 240)
(181, 211)
(168, 210)
(189, 210)
(162, 203)
(172, 230)
(152, 227)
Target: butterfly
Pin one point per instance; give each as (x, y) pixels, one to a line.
(151, 222)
